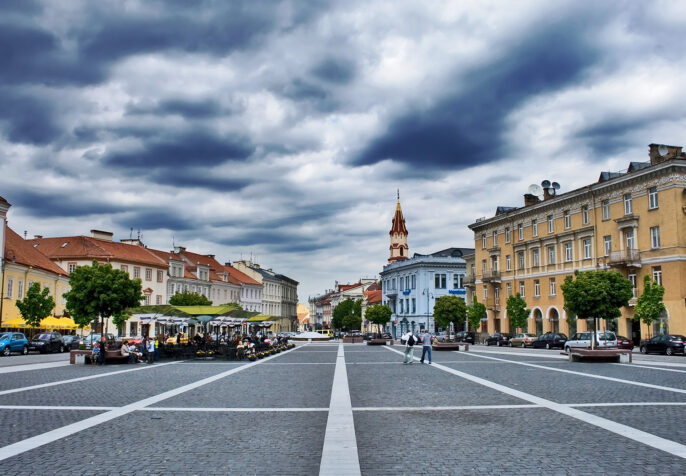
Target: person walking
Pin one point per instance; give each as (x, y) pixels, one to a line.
(151, 350)
(409, 341)
(426, 346)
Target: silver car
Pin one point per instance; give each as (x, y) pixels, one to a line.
(605, 339)
(523, 340)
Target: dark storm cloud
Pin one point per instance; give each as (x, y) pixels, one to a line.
(20, 6)
(154, 219)
(65, 203)
(609, 138)
(466, 128)
(27, 118)
(335, 70)
(201, 109)
(196, 177)
(199, 148)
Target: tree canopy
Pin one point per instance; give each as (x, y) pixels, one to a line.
(187, 298)
(343, 309)
(101, 291)
(596, 294)
(352, 321)
(517, 312)
(449, 309)
(649, 304)
(475, 313)
(378, 314)
(36, 305)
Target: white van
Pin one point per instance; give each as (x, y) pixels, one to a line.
(605, 339)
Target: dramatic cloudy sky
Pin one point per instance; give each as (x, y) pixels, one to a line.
(282, 130)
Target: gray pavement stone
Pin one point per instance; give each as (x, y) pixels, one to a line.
(17, 425)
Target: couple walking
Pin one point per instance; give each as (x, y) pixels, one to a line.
(410, 340)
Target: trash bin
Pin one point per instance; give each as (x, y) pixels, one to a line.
(80, 359)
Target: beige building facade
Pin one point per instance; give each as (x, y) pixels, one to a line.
(632, 222)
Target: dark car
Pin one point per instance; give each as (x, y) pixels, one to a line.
(71, 342)
(666, 344)
(369, 335)
(94, 337)
(13, 342)
(465, 336)
(47, 342)
(550, 340)
(624, 343)
(386, 335)
(499, 339)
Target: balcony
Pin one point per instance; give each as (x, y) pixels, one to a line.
(632, 302)
(468, 280)
(630, 258)
(491, 276)
(492, 304)
(495, 251)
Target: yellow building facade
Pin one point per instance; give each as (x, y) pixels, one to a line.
(632, 222)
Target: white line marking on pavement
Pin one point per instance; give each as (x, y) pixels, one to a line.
(446, 408)
(38, 407)
(627, 404)
(525, 354)
(653, 368)
(601, 377)
(643, 437)
(23, 368)
(339, 455)
(59, 433)
(233, 410)
(80, 379)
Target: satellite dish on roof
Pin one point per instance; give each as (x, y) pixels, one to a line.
(662, 150)
(535, 189)
(556, 186)
(545, 184)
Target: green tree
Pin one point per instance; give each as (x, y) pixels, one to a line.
(36, 306)
(596, 294)
(101, 291)
(450, 309)
(379, 315)
(187, 298)
(517, 312)
(352, 322)
(343, 309)
(649, 304)
(475, 313)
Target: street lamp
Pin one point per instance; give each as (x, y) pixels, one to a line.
(428, 310)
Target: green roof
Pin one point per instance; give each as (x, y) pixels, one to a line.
(259, 318)
(206, 310)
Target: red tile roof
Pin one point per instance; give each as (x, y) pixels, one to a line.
(18, 250)
(168, 256)
(373, 297)
(85, 247)
(398, 221)
(240, 276)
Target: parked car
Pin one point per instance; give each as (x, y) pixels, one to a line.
(665, 344)
(369, 335)
(47, 342)
(499, 339)
(624, 343)
(523, 340)
(13, 342)
(550, 340)
(386, 335)
(605, 340)
(95, 337)
(71, 342)
(466, 336)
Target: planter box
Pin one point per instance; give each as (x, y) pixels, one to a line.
(602, 355)
(453, 346)
(376, 342)
(352, 340)
(84, 356)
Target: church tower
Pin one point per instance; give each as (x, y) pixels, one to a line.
(398, 236)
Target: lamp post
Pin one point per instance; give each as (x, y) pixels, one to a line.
(428, 310)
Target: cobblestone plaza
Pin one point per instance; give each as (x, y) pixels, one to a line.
(347, 409)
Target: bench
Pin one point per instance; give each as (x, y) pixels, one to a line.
(454, 346)
(600, 355)
(115, 356)
(379, 341)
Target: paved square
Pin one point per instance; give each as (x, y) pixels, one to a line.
(348, 409)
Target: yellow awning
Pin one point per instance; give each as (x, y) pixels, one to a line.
(50, 322)
(16, 322)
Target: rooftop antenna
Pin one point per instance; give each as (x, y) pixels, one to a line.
(131, 233)
(25, 233)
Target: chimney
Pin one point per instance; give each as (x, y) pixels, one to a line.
(102, 235)
(133, 241)
(37, 237)
(530, 199)
(660, 153)
(179, 249)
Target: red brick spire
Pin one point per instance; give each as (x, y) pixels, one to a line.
(398, 248)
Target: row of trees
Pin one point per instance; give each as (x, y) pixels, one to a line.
(587, 295)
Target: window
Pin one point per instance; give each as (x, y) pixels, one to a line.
(20, 289)
(607, 242)
(483, 241)
(584, 214)
(71, 267)
(521, 288)
(125, 268)
(652, 198)
(628, 208)
(632, 278)
(484, 266)
(10, 285)
(630, 243)
(400, 301)
(537, 288)
(494, 264)
(551, 255)
(552, 287)
(654, 236)
(496, 295)
(148, 274)
(158, 299)
(414, 281)
(414, 305)
(587, 248)
(509, 289)
(657, 274)
(520, 259)
(534, 257)
(520, 231)
(551, 224)
(568, 251)
(457, 281)
(508, 263)
(402, 282)
(534, 227)
(507, 234)
(495, 238)
(136, 272)
(485, 293)
(160, 276)
(606, 209)
(440, 281)
(568, 219)
(147, 299)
